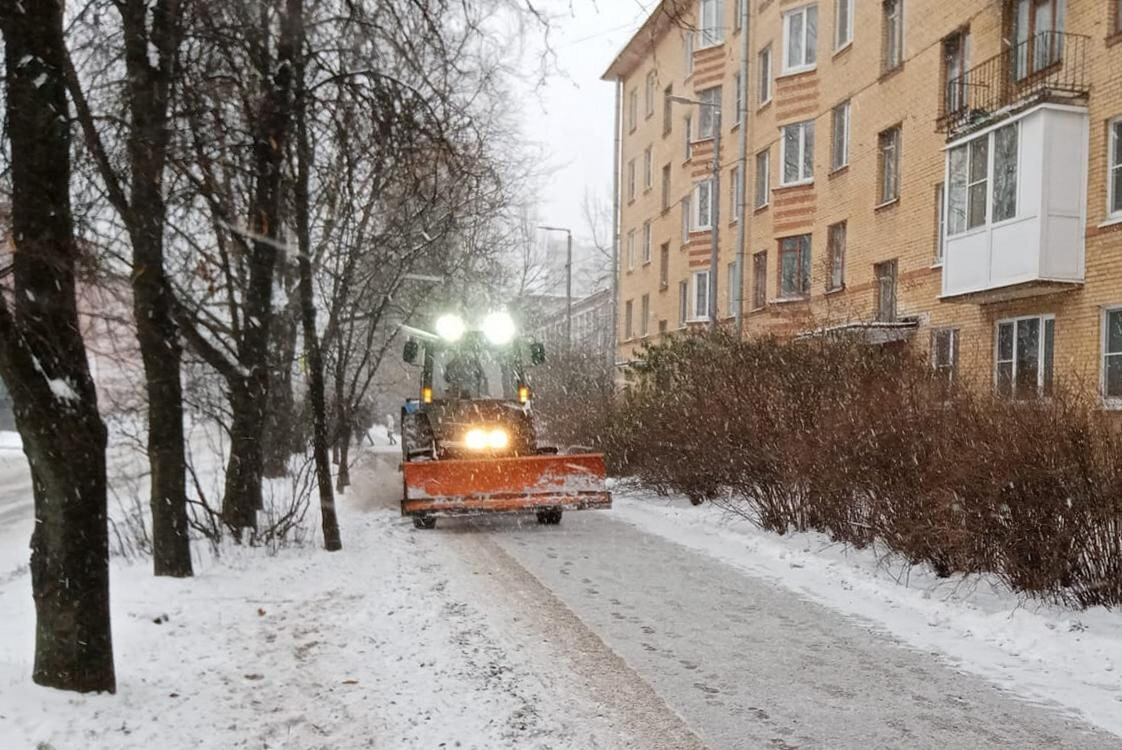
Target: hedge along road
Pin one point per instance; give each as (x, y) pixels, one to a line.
(744, 662)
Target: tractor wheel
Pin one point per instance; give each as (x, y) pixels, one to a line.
(424, 522)
(549, 517)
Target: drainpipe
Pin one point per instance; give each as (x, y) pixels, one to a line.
(742, 233)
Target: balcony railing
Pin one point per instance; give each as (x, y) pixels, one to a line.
(1049, 65)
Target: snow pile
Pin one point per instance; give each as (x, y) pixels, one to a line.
(385, 644)
(1043, 652)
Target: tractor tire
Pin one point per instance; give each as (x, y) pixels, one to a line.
(549, 517)
(424, 522)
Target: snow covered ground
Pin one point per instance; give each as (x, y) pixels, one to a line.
(1047, 653)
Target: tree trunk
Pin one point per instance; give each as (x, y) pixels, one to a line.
(343, 479)
(242, 496)
(280, 438)
(316, 390)
(43, 362)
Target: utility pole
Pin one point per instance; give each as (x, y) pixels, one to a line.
(742, 233)
(568, 284)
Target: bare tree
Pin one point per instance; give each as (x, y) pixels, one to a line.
(43, 361)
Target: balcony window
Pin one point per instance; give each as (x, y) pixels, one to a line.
(893, 43)
(944, 354)
(885, 274)
(843, 23)
(762, 178)
(700, 308)
(703, 206)
(835, 247)
(1024, 356)
(759, 280)
(956, 61)
(709, 24)
(800, 39)
(971, 187)
(1112, 355)
(888, 143)
(1114, 172)
(764, 66)
(794, 266)
(1038, 37)
(839, 152)
(797, 147)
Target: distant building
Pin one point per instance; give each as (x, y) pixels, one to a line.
(592, 324)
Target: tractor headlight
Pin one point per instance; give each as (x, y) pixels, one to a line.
(499, 328)
(480, 439)
(450, 327)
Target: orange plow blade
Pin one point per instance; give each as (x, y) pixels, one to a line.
(504, 485)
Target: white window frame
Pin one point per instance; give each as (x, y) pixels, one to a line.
(735, 194)
(888, 148)
(845, 108)
(766, 193)
(648, 168)
(649, 94)
(688, 44)
(699, 282)
(841, 42)
(1110, 402)
(1039, 356)
(633, 110)
(803, 178)
(646, 242)
(738, 109)
(687, 220)
(1114, 148)
(696, 224)
(896, 58)
(710, 22)
(809, 51)
(683, 302)
(644, 315)
(940, 223)
(835, 277)
(989, 180)
(687, 128)
(708, 112)
(763, 61)
(631, 250)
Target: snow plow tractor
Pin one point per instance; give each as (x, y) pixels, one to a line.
(469, 445)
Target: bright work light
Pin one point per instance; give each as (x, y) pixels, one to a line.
(481, 439)
(498, 327)
(450, 327)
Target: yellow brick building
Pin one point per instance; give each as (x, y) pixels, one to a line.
(946, 173)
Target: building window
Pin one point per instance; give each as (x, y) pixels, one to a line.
(956, 61)
(664, 266)
(730, 286)
(683, 302)
(738, 112)
(765, 74)
(649, 93)
(835, 247)
(969, 193)
(709, 22)
(1114, 173)
(633, 110)
(843, 23)
(888, 147)
(794, 266)
(688, 45)
(944, 355)
(893, 54)
(1024, 354)
(646, 242)
(703, 205)
(839, 151)
(685, 220)
(667, 110)
(759, 280)
(736, 194)
(631, 250)
(648, 169)
(800, 39)
(940, 239)
(666, 187)
(688, 131)
(644, 314)
(763, 178)
(708, 111)
(885, 275)
(700, 296)
(741, 9)
(1038, 38)
(631, 180)
(1112, 355)
(628, 322)
(797, 153)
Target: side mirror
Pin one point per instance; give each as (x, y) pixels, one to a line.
(412, 349)
(537, 353)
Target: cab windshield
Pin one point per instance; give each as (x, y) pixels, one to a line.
(473, 372)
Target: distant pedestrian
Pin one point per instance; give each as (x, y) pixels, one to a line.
(389, 429)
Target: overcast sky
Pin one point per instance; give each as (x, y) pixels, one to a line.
(572, 115)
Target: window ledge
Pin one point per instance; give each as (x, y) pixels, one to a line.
(1112, 404)
(1114, 38)
(792, 185)
(764, 104)
(937, 264)
(840, 170)
(887, 204)
(836, 290)
(712, 45)
(800, 71)
(789, 300)
(761, 209)
(889, 73)
(844, 48)
(1111, 221)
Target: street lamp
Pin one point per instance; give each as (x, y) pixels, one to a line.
(568, 284)
(714, 202)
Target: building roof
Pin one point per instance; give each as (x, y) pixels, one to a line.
(666, 15)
